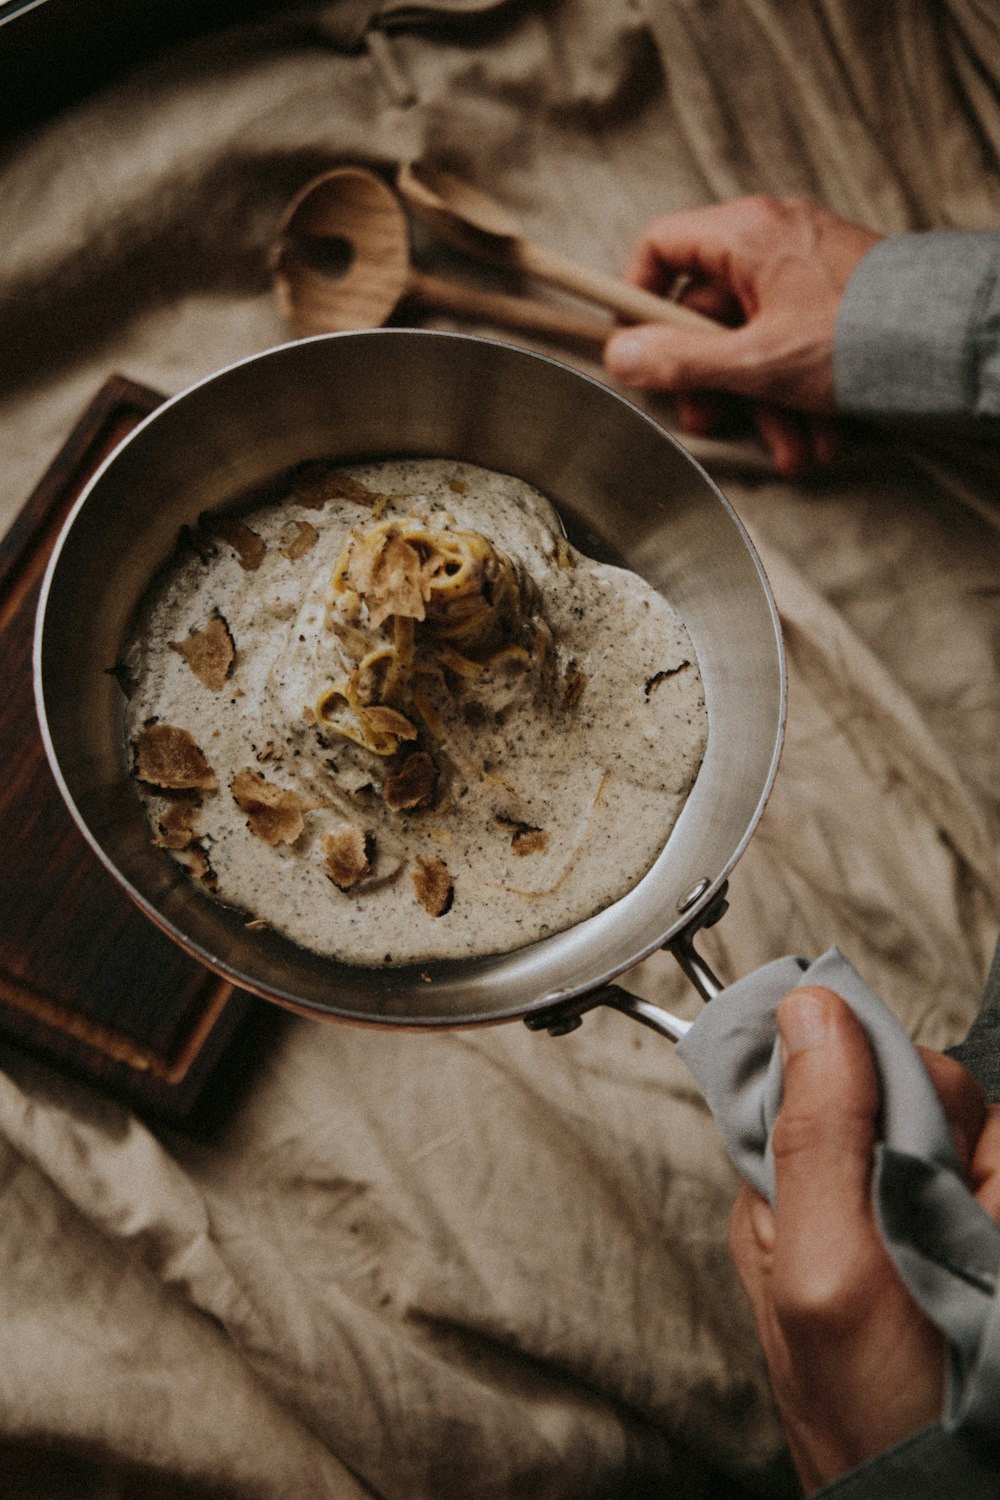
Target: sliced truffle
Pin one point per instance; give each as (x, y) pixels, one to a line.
(434, 887)
(573, 686)
(347, 855)
(175, 827)
(198, 864)
(190, 539)
(382, 719)
(209, 653)
(167, 756)
(525, 838)
(274, 814)
(314, 483)
(245, 542)
(388, 573)
(530, 841)
(653, 682)
(414, 784)
(303, 541)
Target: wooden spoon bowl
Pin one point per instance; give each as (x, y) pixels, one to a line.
(343, 258)
(342, 262)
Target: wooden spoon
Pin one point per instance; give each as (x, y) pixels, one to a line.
(472, 221)
(343, 261)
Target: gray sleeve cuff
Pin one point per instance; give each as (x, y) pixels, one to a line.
(931, 1465)
(918, 331)
(980, 1051)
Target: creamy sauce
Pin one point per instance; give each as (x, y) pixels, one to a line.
(560, 766)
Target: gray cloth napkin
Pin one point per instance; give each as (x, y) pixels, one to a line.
(945, 1247)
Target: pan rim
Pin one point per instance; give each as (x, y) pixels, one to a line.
(672, 924)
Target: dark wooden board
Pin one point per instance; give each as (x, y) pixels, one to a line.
(86, 980)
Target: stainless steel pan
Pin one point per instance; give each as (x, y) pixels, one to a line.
(625, 490)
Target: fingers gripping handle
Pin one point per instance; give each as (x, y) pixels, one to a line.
(944, 1246)
(732, 1051)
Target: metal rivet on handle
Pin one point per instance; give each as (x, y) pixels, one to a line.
(694, 894)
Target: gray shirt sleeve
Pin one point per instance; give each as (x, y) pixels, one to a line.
(980, 1051)
(930, 1465)
(918, 330)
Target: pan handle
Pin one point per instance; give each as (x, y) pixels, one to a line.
(568, 1015)
(684, 951)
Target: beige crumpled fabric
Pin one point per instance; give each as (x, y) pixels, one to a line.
(489, 1263)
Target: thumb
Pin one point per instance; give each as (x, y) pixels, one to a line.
(656, 357)
(823, 1142)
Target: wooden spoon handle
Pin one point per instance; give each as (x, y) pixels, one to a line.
(510, 312)
(629, 302)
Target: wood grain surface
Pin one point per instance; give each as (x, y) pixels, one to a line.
(86, 980)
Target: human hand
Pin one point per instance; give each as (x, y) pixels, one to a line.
(772, 274)
(854, 1364)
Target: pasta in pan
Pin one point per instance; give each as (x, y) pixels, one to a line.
(396, 716)
(456, 608)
